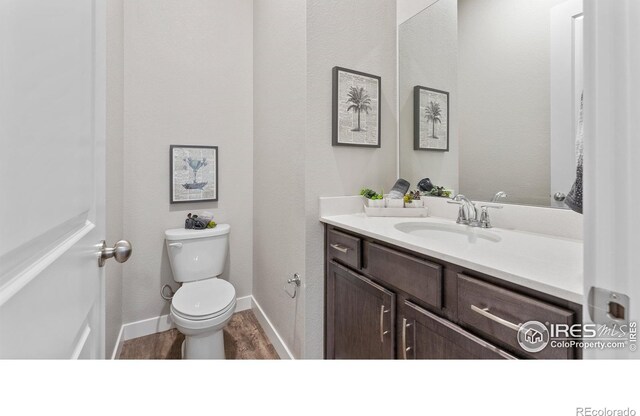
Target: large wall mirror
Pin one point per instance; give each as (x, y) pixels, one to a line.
(512, 74)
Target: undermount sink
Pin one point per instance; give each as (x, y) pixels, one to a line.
(439, 231)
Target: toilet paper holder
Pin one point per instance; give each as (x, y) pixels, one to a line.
(295, 281)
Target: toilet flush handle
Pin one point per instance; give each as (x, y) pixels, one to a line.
(176, 245)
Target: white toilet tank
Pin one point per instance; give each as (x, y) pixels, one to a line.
(197, 254)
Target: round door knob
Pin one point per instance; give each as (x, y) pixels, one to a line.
(559, 196)
(121, 252)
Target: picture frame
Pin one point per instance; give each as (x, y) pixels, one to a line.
(193, 173)
(430, 119)
(356, 108)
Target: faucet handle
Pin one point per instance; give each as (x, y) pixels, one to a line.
(485, 206)
(462, 216)
(485, 221)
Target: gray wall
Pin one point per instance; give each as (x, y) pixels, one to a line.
(428, 56)
(504, 99)
(360, 35)
(193, 76)
(114, 168)
(188, 78)
(278, 171)
(409, 8)
(296, 47)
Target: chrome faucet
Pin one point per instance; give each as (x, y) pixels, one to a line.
(468, 213)
(498, 195)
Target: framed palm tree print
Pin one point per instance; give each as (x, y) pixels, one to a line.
(356, 108)
(430, 119)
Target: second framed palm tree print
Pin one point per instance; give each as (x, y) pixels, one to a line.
(356, 108)
(430, 119)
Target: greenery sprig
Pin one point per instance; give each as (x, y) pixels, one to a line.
(371, 194)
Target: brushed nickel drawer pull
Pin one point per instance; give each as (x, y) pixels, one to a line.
(382, 331)
(485, 312)
(340, 248)
(405, 349)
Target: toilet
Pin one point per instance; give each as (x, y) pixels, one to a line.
(204, 304)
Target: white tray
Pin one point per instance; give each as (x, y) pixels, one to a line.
(396, 212)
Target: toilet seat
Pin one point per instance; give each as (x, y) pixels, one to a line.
(204, 326)
(201, 317)
(204, 299)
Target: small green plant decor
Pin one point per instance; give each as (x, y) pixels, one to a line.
(412, 200)
(374, 199)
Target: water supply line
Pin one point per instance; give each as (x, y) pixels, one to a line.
(295, 281)
(170, 295)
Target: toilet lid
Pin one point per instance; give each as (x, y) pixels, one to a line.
(207, 297)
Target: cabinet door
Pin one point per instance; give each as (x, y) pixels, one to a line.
(360, 316)
(423, 335)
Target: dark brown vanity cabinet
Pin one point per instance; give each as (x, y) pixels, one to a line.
(360, 316)
(418, 278)
(497, 313)
(383, 302)
(423, 335)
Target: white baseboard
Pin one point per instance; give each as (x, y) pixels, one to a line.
(275, 338)
(159, 324)
(243, 303)
(146, 327)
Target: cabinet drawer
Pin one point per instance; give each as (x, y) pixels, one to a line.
(419, 278)
(424, 335)
(344, 248)
(499, 312)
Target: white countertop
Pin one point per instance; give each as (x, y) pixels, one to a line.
(548, 264)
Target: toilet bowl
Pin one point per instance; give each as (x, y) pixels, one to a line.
(204, 304)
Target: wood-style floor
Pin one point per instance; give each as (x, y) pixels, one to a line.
(244, 339)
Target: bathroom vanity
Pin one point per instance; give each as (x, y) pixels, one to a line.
(433, 289)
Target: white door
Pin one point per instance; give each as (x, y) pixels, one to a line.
(52, 190)
(567, 75)
(612, 171)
